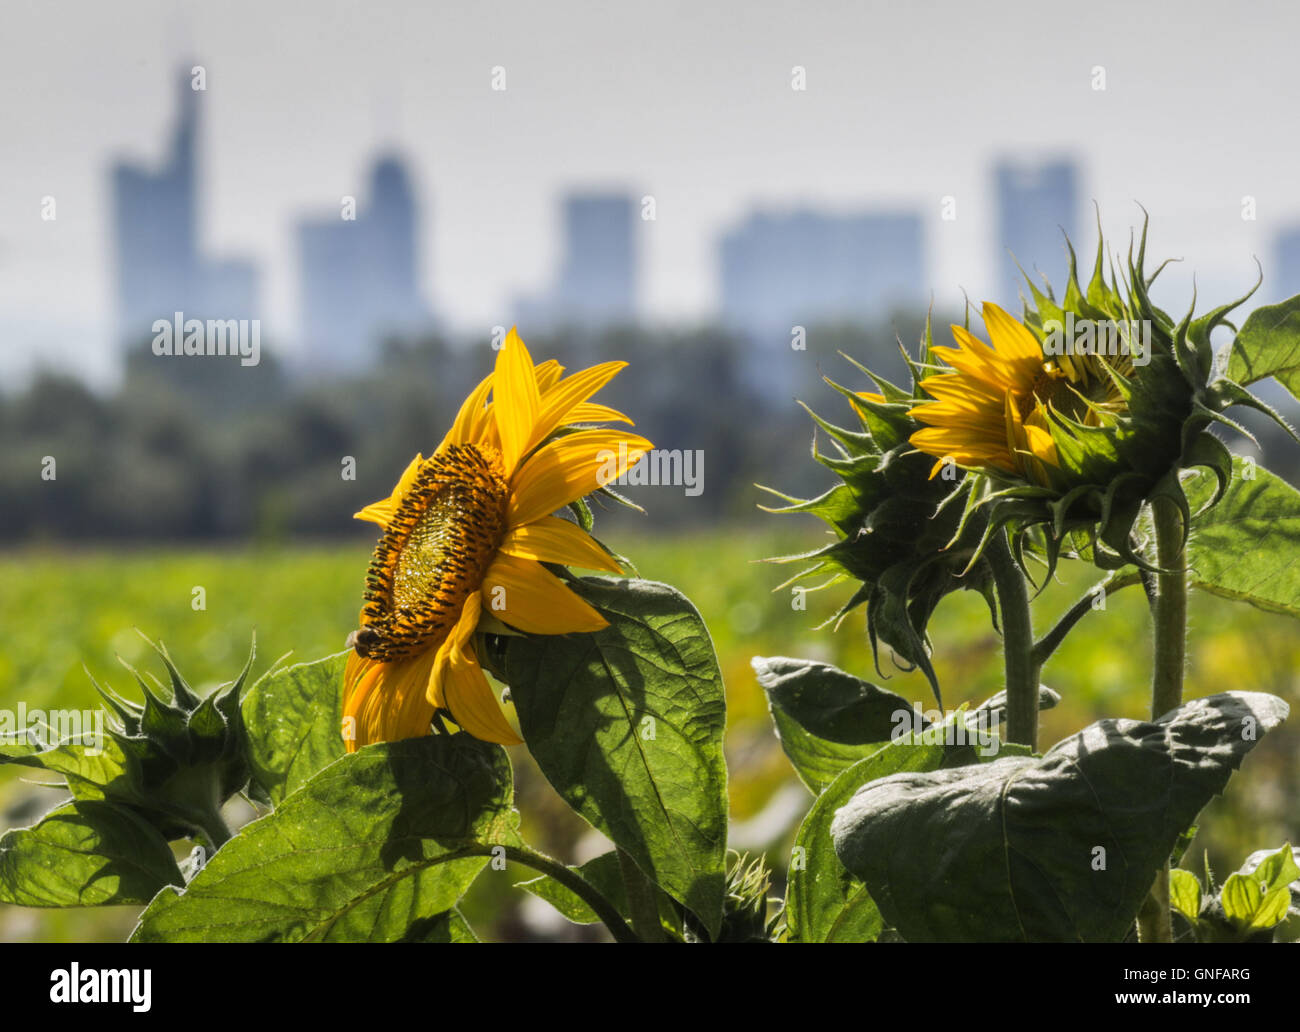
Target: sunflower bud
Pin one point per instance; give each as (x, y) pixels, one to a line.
(1082, 412)
(184, 756)
(898, 520)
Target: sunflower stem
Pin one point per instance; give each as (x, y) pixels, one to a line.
(1017, 643)
(642, 900)
(1051, 641)
(1170, 611)
(571, 880)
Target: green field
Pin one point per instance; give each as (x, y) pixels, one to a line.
(68, 611)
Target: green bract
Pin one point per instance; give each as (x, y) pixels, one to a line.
(899, 532)
(1109, 469)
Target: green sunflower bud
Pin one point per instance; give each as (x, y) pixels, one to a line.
(898, 519)
(183, 755)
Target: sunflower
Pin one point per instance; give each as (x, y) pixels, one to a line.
(996, 406)
(466, 532)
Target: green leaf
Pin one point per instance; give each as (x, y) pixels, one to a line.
(90, 773)
(1272, 910)
(449, 926)
(1185, 893)
(1272, 875)
(1269, 345)
(1062, 848)
(830, 703)
(816, 761)
(1274, 869)
(602, 873)
(376, 843)
(1241, 898)
(828, 720)
(1248, 546)
(824, 902)
(627, 724)
(85, 853)
(293, 718)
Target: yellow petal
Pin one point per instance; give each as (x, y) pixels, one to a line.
(559, 401)
(471, 700)
(553, 540)
(530, 598)
(1010, 336)
(548, 373)
(516, 400)
(377, 512)
(569, 468)
(590, 412)
(468, 425)
(382, 511)
(387, 701)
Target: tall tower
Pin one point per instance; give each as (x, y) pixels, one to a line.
(598, 276)
(155, 226)
(1035, 203)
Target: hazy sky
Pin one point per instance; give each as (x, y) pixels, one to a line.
(690, 102)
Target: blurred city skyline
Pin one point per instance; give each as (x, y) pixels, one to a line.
(709, 127)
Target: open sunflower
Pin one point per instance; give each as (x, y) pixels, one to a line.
(466, 532)
(995, 407)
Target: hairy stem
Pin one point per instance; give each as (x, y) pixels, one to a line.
(1170, 610)
(1017, 643)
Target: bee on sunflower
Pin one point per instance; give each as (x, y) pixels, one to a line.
(467, 533)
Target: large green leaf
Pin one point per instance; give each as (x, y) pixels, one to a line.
(1062, 848)
(1269, 345)
(627, 724)
(826, 719)
(1248, 546)
(85, 853)
(816, 761)
(293, 718)
(830, 703)
(370, 849)
(824, 902)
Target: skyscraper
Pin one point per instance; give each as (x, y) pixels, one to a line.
(798, 268)
(360, 276)
(160, 266)
(1035, 203)
(597, 280)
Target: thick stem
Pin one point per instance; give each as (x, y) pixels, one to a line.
(642, 900)
(1017, 643)
(1170, 610)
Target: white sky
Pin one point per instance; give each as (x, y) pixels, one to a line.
(690, 102)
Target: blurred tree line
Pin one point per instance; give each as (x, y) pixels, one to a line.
(205, 448)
